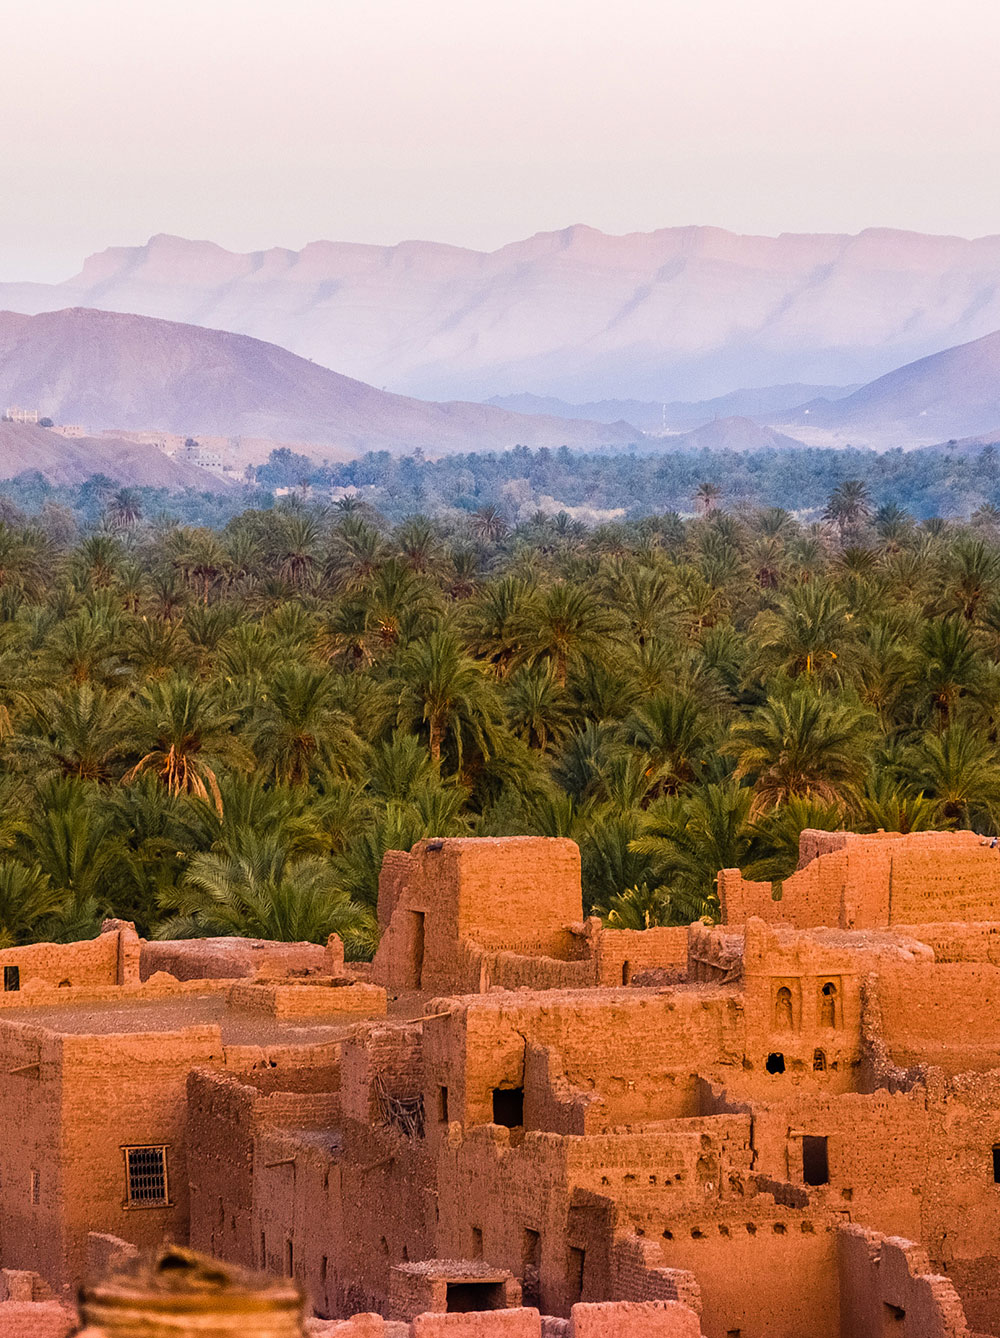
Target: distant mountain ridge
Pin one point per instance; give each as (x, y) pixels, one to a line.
(679, 313)
(676, 415)
(109, 370)
(949, 395)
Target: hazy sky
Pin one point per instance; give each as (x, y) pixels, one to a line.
(276, 122)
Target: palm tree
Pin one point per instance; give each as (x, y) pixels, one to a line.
(563, 624)
(125, 508)
(82, 732)
(849, 504)
(298, 544)
(689, 838)
(674, 732)
(448, 692)
(802, 744)
(960, 769)
(489, 523)
(493, 619)
(186, 733)
(949, 664)
(538, 709)
(27, 901)
(707, 496)
(806, 633)
(299, 729)
(258, 890)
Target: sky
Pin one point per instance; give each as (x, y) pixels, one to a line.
(258, 123)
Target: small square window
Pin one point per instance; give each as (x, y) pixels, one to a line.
(11, 978)
(146, 1177)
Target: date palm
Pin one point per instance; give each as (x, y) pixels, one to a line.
(299, 730)
(563, 624)
(960, 769)
(808, 632)
(445, 691)
(802, 744)
(186, 734)
(80, 732)
(259, 890)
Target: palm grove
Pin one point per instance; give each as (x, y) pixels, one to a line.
(221, 732)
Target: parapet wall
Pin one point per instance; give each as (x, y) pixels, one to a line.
(866, 882)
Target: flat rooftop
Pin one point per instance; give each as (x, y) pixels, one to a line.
(147, 1016)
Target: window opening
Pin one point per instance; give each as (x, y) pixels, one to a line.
(775, 1063)
(463, 1297)
(477, 1242)
(783, 1009)
(12, 977)
(36, 1187)
(626, 973)
(819, 1061)
(828, 1006)
(418, 949)
(443, 1105)
(508, 1107)
(146, 1177)
(996, 1164)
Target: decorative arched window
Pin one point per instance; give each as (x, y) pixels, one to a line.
(783, 1009)
(828, 1005)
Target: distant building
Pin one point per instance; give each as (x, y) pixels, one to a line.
(72, 430)
(15, 414)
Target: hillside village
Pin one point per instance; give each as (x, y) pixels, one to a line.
(517, 1122)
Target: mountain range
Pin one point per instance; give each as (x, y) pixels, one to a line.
(679, 313)
(113, 371)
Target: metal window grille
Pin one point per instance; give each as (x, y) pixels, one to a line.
(146, 1177)
(12, 977)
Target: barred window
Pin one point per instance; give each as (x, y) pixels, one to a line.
(146, 1177)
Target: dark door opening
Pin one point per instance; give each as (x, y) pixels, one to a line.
(531, 1264)
(577, 1260)
(464, 1297)
(508, 1107)
(775, 1063)
(417, 951)
(815, 1160)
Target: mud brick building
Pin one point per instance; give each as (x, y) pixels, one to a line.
(518, 1124)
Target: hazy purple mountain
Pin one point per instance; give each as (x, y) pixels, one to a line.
(681, 313)
(26, 448)
(951, 394)
(108, 370)
(675, 415)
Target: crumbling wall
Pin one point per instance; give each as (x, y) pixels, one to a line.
(887, 1286)
(91, 962)
(229, 958)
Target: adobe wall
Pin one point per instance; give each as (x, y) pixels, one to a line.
(228, 958)
(887, 1284)
(941, 1013)
(771, 1272)
(863, 882)
(638, 1050)
(119, 1091)
(31, 1172)
(637, 957)
(96, 961)
(37, 1319)
(510, 894)
(877, 1152)
(225, 1112)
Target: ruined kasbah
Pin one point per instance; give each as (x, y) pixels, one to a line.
(518, 1124)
